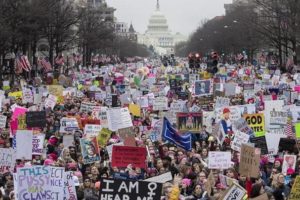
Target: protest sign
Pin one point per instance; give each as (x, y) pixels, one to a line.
(295, 192)
(87, 107)
(3, 121)
(56, 90)
(249, 163)
(257, 123)
(286, 144)
(90, 150)
(50, 102)
(260, 142)
(272, 138)
(135, 110)
(189, 122)
(109, 149)
(125, 132)
(222, 102)
(24, 144)
(7, 160)
(22, 122)
(122, 156)
(16, 95)
(143, 102)
(235, 192)
(118, 118)
(276, 105)
(48, 182)
(85, 121)
(68, 140)
(278, 118)
(219, 160)
(226, 181)
(37, 144)
(91, 130)
(27, 96)
(163, 178)
(203, 87)
(242, 125)
(36, 119)
(125, 189)
(160, 103)
(289, 164)
(18, 111)
(103, 137)
(103, 117)
(177, 106)
(69, 186)
(68, 125)
(230, 89)
(239, 139)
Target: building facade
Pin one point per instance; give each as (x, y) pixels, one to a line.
(122, 30)
(158, 34)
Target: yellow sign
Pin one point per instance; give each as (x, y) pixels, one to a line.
(17, 95)
(257, 123)
(56, 90)
(295, 193)
(22, 122)
(103, 137)
(135, 110)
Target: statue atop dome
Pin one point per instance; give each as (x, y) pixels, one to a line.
(157, 5)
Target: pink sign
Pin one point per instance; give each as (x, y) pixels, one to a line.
(19, 111)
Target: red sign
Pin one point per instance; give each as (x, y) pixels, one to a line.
(89, 121)
(122, 156)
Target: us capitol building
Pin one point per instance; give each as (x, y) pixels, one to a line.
(158, 34)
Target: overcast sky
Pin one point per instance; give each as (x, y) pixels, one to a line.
(183, 16)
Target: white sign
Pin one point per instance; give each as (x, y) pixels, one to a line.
(27, 96)
(68, 125)
(109, 149)
(70, 190)
(272, 138)
(91, 130)
(235, 192)
(239, 139)
(3, 121)
(7, 161)
(160, 103)
(276, 105)
(118, 118)
(24, 144)
(68, 140)
(37, 144)
(222, 102)
(278, 117)
(219, 160)
(50, 101)
(87, 107)
(163, 178)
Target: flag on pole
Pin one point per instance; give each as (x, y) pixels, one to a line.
(170, 134)
(45, 63)
(289, 129)
(59, 60)
(23, 63)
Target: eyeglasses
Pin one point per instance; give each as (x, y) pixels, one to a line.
(87, 181)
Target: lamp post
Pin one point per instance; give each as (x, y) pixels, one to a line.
(36, 55)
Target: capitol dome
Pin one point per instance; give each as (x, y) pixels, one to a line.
(157, 22)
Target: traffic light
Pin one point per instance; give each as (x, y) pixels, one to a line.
(191, 61)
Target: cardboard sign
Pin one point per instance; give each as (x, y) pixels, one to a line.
(295, 192)
(219, 160)
(2, 121)
(90, 150)
(49, 181)
(257, 123)
(36, 119)
(122, 156)
(24, 144)
(56, 90)
(239, 139)
(160, 103)
(249, 164)
(37, 144)
(163, 178)
(235, 192)
(91, 130)
(7, 160)
(189, 122)
(118, 118)
(124, 189)
(260, 142)
(70, 190)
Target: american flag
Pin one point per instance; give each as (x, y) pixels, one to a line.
(22, 62)
(44, 62)
(59, 60)
(289, 129)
